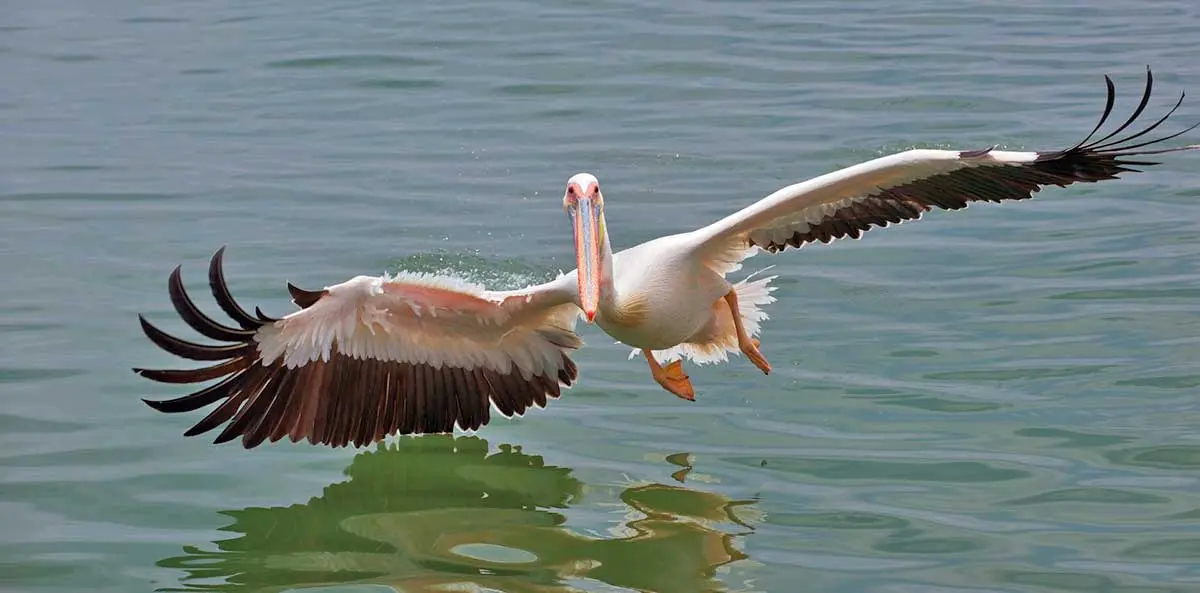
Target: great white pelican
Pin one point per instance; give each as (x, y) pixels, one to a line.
(413, 353)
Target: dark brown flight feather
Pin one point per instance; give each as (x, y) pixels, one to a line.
(338, 402)
(1085, 162)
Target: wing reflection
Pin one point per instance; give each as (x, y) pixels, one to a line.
(438, 513)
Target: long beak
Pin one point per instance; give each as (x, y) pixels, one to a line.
(586, 216)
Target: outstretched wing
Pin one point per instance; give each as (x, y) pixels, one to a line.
(371, 357)
(903, 186)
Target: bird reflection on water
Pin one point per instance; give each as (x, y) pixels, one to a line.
(438, 513)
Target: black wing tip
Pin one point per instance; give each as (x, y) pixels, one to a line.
(220, 292)
(198, 430)
(1107, 157)
(263, 317)
(1118, 147)
(194, 317)
(200, 322)
(217, 260)
(160, 375)
(305, 298)
(159, 405)
(974, 154)
(237, 353)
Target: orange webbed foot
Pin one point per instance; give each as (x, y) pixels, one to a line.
(752, 352)
(676, 381)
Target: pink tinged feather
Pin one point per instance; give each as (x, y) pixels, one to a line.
(444, 350)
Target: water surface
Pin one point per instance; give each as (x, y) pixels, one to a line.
(1000, 399)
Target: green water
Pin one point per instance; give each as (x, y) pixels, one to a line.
(999, 399)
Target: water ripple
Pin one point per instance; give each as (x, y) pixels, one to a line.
(999, 399)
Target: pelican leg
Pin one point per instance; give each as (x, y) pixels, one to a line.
(748, 345)
(671, 377)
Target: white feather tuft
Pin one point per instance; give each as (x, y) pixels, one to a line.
(753, 295)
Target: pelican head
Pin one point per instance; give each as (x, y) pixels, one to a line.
(585, 205)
